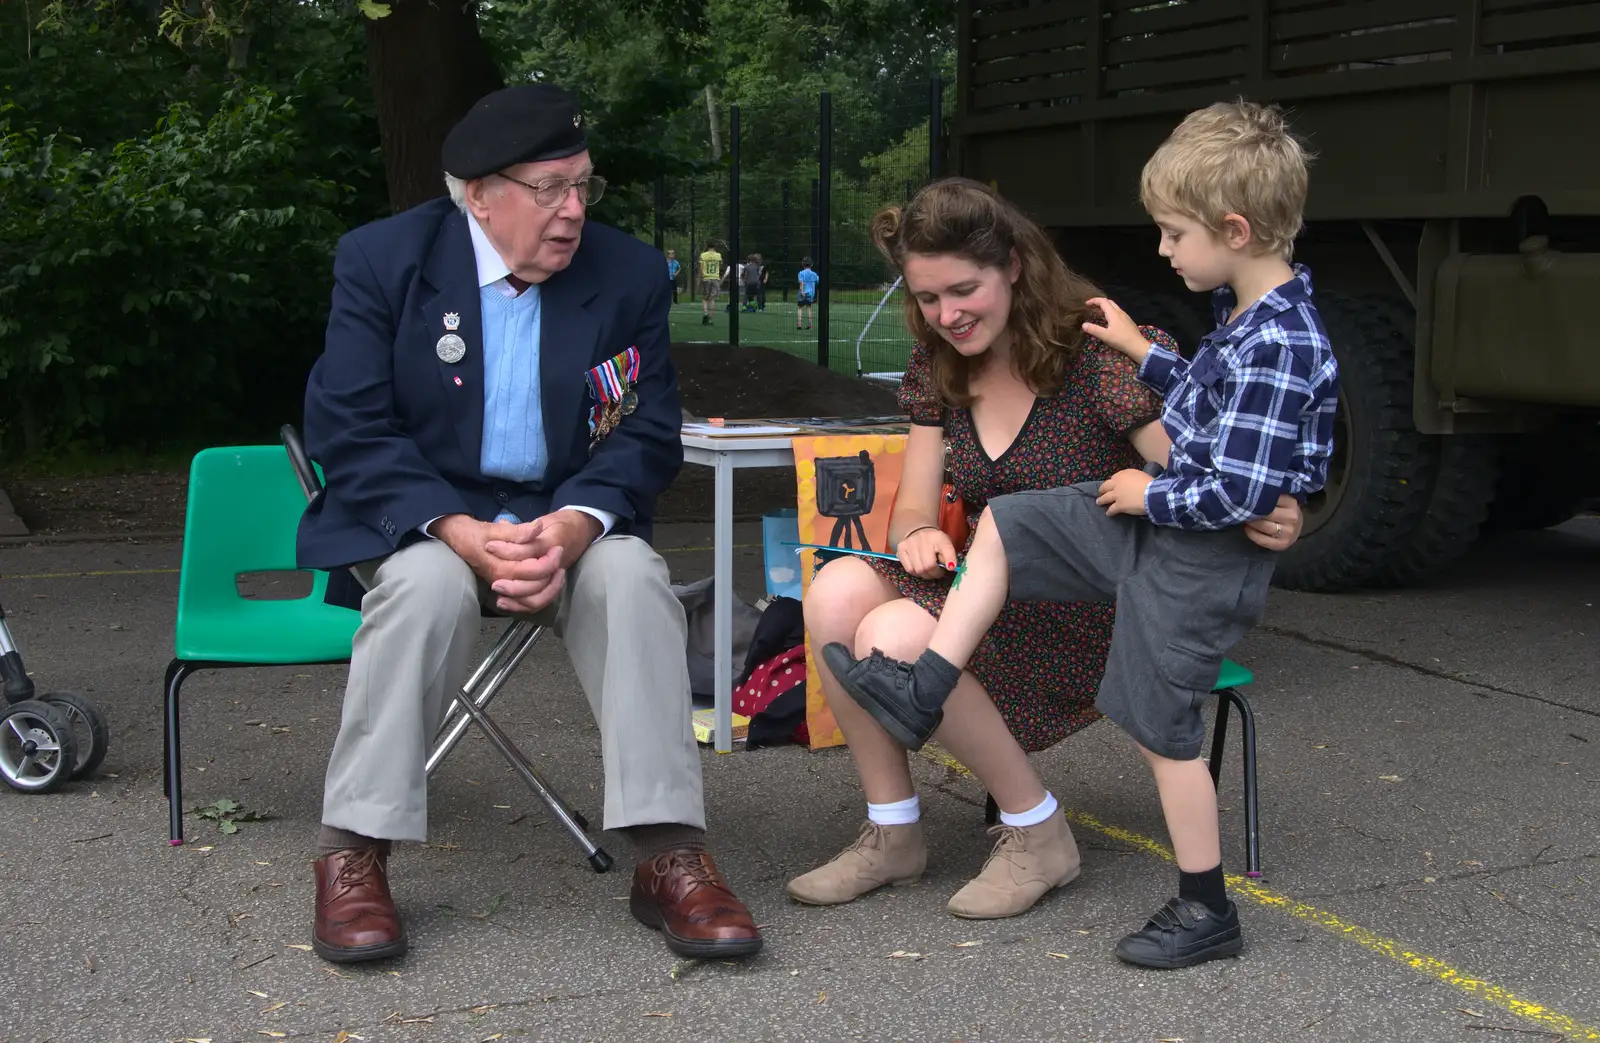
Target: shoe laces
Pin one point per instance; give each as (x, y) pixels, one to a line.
(871, 836)
(1012, 841)
(356, 866)
(695, 867)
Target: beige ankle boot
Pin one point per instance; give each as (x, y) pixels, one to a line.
(1026, 862)
(880, 855)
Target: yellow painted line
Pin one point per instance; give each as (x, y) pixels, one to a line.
(76, 575)
(1483, 991)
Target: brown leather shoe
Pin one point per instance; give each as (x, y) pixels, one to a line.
(356, 917)
(682, 895)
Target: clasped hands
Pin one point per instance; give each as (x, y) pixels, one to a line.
(525, 565)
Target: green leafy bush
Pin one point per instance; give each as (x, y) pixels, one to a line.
(151, 290)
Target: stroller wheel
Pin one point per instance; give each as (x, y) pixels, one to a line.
(37, 747)
(88, 726)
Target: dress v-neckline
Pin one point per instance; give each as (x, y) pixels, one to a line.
(977, 436)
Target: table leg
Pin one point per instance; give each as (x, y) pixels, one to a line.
(722, 591)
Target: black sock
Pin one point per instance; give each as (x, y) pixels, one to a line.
(936, 678)
(1205, 887)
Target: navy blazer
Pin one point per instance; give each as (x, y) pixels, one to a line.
(399, 432)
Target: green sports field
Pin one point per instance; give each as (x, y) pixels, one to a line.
(884, 349)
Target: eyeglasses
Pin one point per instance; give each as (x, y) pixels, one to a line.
(552, 191)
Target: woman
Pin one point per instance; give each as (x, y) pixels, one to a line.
(1005, 393)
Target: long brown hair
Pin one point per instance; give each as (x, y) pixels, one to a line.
(963, 217)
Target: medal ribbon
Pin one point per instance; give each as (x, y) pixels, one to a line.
(610, 380)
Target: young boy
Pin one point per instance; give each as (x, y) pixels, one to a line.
(1249, 418)
(711, 276)
(673, 268)
(808, 293)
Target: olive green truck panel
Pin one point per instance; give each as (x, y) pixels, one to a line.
(1453, 227)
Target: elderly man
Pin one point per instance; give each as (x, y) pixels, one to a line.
(495, 413)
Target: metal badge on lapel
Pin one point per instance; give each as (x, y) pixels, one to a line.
(452, 321)
(450, 348)
(612, 385)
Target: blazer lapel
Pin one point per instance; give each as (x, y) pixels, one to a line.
(452, 270)
(567, 336)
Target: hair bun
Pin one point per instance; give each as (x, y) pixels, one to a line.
(885, 232)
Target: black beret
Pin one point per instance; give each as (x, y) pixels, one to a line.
(522, 124)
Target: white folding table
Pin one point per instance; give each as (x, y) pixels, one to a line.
(725, 454)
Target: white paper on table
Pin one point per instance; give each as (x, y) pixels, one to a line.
(737, 430)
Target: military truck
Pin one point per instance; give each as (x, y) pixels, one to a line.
(1453, 228)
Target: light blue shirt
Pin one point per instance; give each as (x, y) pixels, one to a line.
(808, 281)
(513, 421)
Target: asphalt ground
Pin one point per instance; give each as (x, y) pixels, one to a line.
(1430, 784)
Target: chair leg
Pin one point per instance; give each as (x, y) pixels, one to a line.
(514, 642)
(1252, 820)
(598, 859)
(172, 752)
(1219, 738)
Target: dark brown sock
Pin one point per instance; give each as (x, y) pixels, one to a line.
(332, 838)
(652, 841)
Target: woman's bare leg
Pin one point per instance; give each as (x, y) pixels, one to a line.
(843, 594)
(973, 730)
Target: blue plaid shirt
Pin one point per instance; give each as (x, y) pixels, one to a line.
(1251, 416)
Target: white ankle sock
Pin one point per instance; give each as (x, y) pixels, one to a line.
(900, 813)
(1033, 816)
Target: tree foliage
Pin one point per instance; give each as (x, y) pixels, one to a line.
(174, 173)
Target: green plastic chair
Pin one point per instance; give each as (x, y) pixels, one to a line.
(1230, 680)
(245, 505)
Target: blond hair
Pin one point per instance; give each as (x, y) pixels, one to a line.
(1232, 158)
(967, 219)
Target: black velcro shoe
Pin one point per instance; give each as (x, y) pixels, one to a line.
(1183, 933)
(885, 689)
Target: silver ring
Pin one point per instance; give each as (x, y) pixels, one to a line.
(1278, 531)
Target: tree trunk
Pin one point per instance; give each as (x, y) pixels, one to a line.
(428, 66)
(716, 128)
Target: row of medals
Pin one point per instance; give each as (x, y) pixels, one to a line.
(452, 349)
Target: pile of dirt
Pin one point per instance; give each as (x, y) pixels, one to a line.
(714, 380)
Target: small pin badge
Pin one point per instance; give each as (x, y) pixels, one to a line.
(452, 321)
(577, 119)
(458, 382)
(450, 348)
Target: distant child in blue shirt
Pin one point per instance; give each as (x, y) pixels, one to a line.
(808, 293)
(1250, 417)
(673, 268)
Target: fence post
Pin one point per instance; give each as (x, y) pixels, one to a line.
(661, 206)
(733, 227)
(936, 128)
(788, 258)
(694, 243)
(825, 220)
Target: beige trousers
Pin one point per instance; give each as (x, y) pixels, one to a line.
(621, 625)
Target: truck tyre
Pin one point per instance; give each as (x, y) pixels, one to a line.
(1462, 488)
(1166, 311)
(1377, 489)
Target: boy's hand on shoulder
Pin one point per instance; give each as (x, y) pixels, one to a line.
(1119, 331)
(1123, 492)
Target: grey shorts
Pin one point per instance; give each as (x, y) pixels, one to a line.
(1183, 600)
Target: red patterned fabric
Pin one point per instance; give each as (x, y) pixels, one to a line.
(770, 680)
(1041, 662)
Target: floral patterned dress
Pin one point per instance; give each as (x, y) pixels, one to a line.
(1041, 662)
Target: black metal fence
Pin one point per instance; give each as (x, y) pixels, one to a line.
(793, 197)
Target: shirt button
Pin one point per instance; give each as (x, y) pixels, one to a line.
(502, 497)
